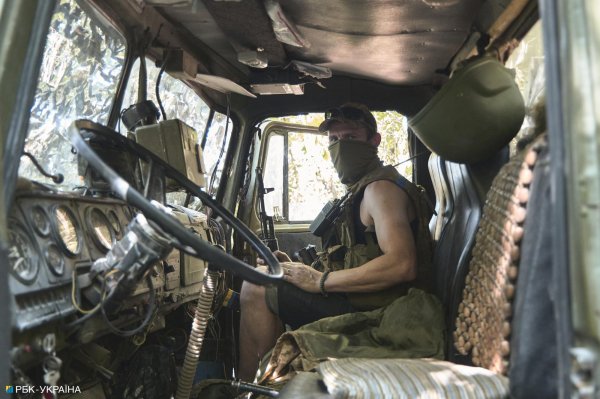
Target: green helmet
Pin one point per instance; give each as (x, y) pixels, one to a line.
(476, 113)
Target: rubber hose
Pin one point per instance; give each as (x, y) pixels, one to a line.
(188, 371)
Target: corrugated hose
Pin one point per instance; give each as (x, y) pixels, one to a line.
(188, 371)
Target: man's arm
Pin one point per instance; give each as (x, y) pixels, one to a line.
(387, 207)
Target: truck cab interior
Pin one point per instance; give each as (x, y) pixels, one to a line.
(153, 149)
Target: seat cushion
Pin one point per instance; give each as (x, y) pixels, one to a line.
(409, 378)
(410, 327)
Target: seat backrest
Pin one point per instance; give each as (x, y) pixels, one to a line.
(437, 171)
(463, 211)
(467, 186)
(482, 293)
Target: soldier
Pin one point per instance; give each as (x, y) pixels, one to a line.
(378, 247)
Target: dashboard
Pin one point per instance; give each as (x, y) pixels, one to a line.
(54, 238)
(51, 238)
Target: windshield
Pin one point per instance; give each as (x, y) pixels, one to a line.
(78, 79)
(180, 102)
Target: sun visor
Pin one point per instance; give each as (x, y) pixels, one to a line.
(476, 113)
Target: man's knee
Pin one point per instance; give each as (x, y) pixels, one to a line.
(252, 295)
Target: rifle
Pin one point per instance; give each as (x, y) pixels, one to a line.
(266, 221)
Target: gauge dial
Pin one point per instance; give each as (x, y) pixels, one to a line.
(101, 229)
(41, 222)
(22, 256)
(114, 221)
(67, 229)
(55, 260)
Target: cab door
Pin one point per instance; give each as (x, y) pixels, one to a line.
(299, 178)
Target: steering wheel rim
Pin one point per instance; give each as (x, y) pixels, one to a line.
(169, 224)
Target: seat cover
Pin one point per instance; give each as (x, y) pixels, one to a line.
(437, 171)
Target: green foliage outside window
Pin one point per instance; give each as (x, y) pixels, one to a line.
(311, 177)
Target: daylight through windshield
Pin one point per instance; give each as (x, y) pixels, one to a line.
(80, 71)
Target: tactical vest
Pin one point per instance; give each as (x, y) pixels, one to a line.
(344, 251)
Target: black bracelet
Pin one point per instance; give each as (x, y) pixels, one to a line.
(322, 283)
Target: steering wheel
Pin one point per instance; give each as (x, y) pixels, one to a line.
(169, 224)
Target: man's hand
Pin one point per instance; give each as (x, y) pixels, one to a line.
(281, 256)
(302, 276)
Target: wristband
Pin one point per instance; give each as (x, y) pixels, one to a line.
(322, 283)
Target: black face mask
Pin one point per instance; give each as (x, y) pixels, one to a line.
(352, 159)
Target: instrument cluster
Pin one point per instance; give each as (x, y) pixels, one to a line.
(55, 238)
(51, 237)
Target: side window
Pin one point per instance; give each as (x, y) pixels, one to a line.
(299, 169)
(394, 148)
(273, 176)
(528, 62)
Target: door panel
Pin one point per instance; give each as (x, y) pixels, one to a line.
(291, 240)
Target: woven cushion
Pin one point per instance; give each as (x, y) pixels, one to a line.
(409, 378)
(484, 315)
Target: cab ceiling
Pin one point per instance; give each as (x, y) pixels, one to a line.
(399, 42)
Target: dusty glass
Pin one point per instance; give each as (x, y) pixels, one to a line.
(80, 70)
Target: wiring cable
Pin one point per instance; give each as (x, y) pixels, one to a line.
(157, 87)
(73, 294)
(150, 313)
(56, 178)
(216, 167)
(74, 300)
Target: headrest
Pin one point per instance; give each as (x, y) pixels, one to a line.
(476, 113)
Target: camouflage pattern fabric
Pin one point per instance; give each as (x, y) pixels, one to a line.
(410, 327)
